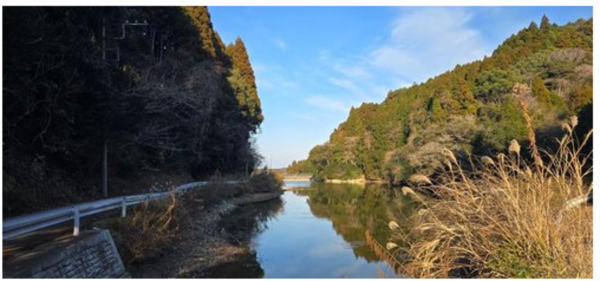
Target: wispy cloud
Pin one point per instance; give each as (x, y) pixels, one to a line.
(280, 44)
(421, 43)
(427, 41)
(346, 84)
(352, 71)
(271, 77)
(328, 103)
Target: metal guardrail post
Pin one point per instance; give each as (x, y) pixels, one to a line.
(75, 221)
(123, 207)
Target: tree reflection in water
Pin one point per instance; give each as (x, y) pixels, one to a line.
(353, 209)
(294, 249)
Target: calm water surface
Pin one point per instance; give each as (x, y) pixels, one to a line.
(315, 232)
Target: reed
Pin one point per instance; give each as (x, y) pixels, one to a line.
(506, 217)
(150, 230)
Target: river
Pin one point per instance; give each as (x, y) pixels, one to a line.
(315, 231)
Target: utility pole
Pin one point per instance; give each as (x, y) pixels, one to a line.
(105, 171)
(122, 36)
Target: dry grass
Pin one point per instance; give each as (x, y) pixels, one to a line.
(501, 219)
(147, 232)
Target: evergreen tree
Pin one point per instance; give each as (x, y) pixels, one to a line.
(210, 41)
(243, 81)
(532, 27)
(545, 23)
(539, 89)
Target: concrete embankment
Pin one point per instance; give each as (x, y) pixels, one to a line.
(92, 254)
(256, 198)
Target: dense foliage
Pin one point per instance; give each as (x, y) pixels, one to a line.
(165, 97)
(475, 108)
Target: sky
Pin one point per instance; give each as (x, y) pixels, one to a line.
(312, 64)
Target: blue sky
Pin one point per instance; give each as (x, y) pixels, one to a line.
(312, 64)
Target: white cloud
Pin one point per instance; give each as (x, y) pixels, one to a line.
(280, 44)
(421, 43)
(328, 103)
(271, 78)
(346, 84)
(428, 41)
(352, 71)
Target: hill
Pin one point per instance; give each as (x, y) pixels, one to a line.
(474, 108)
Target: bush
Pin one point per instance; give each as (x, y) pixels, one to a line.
(217, 190)
(341, 171)
(264, 181)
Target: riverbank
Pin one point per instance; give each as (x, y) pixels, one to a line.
(182, 235)
(356, 181)
(213, 244)
(203, 244)
(297, 177)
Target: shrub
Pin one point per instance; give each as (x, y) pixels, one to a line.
(264, 181)
(217, 190)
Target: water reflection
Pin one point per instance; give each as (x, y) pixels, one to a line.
(316, 231)
(250, 220)
(241, 226)
(243, 267)
(353, 209)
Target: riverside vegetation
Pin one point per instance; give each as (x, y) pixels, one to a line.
(161, 238)
(505, 216)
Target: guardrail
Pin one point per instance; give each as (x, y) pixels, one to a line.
(28, 223)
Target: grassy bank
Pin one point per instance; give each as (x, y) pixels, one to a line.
(505, 216)
(154, 230)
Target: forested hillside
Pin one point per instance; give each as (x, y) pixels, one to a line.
(474, 108)
(156, 85)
